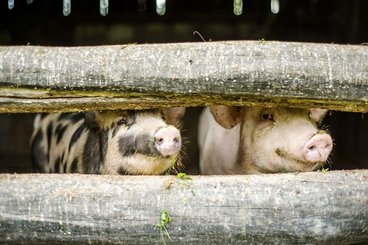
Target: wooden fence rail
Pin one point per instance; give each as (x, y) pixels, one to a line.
(35, 79)
(312, 208)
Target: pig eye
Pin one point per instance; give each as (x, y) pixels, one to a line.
(267, 117)
(122, 121)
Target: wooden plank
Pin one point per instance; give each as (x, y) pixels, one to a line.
(313, 208)
(331, 76)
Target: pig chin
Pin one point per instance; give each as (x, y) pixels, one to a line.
(143, 164)
(291, 163)
(140, 164)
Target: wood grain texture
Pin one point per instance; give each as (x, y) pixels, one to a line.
(305, 208)
(188, 74)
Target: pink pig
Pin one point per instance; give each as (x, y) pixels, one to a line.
(247, 140)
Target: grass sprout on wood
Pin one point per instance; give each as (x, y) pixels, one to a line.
(162, 223)
(184, 177)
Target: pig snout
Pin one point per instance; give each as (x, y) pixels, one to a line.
(318, 148)
(168, 141)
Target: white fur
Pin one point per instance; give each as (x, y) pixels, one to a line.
(218, 146)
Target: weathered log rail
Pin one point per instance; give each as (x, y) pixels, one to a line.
(35, 79)
(312, 208)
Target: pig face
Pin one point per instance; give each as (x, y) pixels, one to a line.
(277, 139)
(137, 142)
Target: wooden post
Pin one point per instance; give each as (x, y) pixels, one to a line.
(313, 208)
(35, 79)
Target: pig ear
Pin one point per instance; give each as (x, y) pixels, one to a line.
(91, 119)
(227, 116)
(173, 115)
(317, 114)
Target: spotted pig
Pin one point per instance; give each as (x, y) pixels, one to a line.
(110, 142)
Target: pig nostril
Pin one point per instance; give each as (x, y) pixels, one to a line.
(311, 148)
(159, 141)
(176, 140)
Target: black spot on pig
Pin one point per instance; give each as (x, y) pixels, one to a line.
(64, 169)
(93, 152)
(131, 118)
(127, 145)
(57, 165)
(104, 137)
(71, 117)
(76, 117)
(43, 115)
(63, 116)
(76, 135)
(122, 171)
(145, 145)
(49, 135)
(74, 166)
(59, 132)
(90, 119)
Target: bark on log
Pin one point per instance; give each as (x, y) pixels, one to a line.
(183, 74)
(312, 208)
